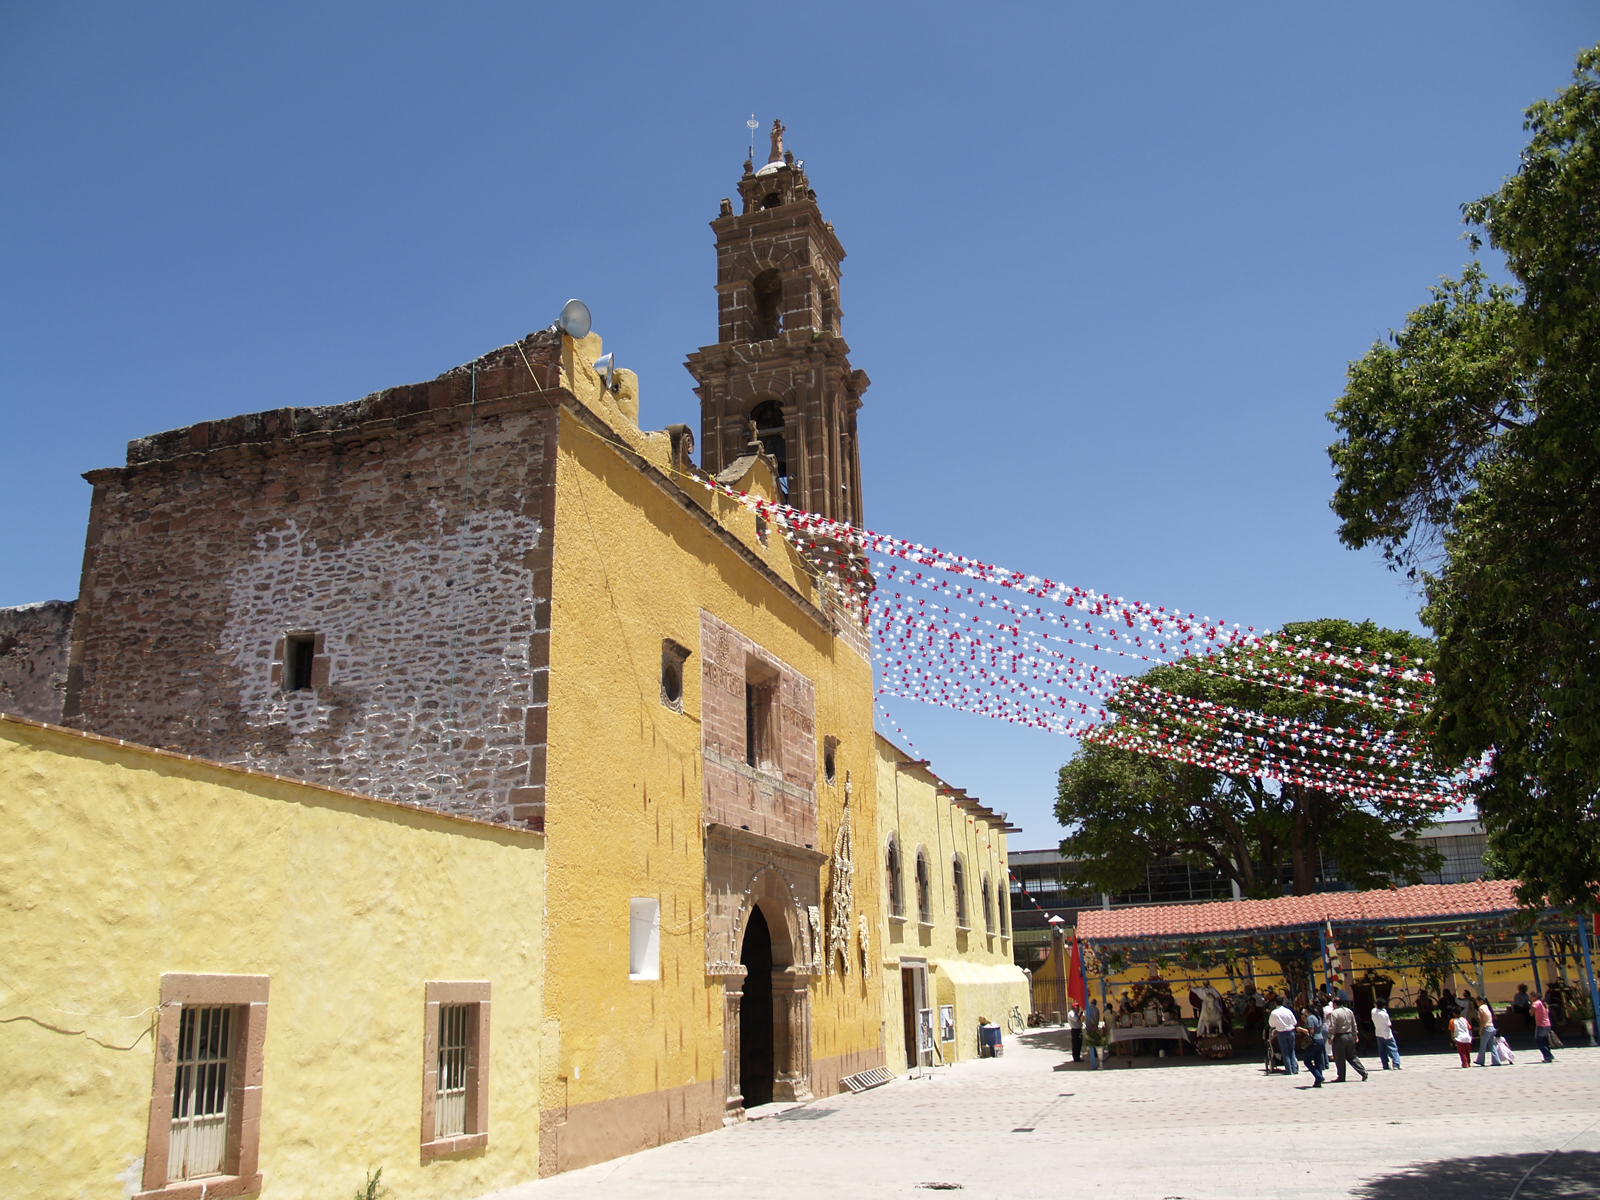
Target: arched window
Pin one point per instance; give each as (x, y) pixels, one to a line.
(988, 907)
(767, 417)
(891, 867)
(924, 888)
(958, 879)
(766, 296)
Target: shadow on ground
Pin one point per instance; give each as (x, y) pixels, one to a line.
(1568, 1173)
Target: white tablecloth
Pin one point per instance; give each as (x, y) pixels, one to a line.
(1132, 1033)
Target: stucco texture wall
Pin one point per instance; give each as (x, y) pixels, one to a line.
(631, 1063)
(121, 864)
(970, 968)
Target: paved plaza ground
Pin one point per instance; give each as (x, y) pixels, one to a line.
(1033, 1124)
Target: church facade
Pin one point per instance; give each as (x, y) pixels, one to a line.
(496, 599)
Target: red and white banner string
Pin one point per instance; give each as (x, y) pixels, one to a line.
(966, 644)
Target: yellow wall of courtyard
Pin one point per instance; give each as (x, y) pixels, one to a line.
(123, 863)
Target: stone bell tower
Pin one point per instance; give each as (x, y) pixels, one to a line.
(780, 370)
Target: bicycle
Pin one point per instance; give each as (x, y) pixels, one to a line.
(1015, 1021)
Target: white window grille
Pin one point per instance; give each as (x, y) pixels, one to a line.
(450, 1107)
(200, 1108)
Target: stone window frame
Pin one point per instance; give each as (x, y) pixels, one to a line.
(278, 673)
(988, 904)
(673, 659)
(763, 688)
(1002, 903)
(241, 1175)
(893, 872)
(958, 882)
(437, 994)
(924, 887)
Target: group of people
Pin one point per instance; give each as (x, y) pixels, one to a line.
(1324, 1031)
(1086, 1020)
(1491, 1044)
(1318, 1032)
(1328, 1029)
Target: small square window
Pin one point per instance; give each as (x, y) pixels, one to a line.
(644, 939)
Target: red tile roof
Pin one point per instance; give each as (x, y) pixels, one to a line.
(1425, 902)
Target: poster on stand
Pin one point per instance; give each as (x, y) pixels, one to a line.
(947, 1022)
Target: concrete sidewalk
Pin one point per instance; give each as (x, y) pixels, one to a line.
(1034, 1124)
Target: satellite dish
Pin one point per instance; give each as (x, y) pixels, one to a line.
(575, 320)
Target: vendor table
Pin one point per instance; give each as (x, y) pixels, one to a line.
(1134, 1033)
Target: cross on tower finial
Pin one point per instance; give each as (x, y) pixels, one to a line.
(777, 142)
(752, 125)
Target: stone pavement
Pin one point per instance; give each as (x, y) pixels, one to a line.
(1033, 1124)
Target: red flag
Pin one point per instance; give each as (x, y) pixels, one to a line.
(1075, 988)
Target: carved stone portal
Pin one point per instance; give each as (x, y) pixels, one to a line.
(745, 871)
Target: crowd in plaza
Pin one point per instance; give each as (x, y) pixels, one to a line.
(1327, 1029)
(1323, 1031)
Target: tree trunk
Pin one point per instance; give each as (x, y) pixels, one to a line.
(1300, 849)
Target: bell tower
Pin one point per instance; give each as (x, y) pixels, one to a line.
(779, 372)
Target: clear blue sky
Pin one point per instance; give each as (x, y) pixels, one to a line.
(1107, 262)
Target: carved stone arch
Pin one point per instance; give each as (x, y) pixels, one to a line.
(771, 889)
(788, 985)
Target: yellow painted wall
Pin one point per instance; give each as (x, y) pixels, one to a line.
(121, 863)
(635, 564)
(971, 969)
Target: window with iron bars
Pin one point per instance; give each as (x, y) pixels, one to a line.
(455, 1084)
(200, 1108)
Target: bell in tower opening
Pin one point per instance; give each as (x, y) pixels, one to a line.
(779, 372)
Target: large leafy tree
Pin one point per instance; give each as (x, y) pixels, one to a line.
(1470, 452)
(1128, 808)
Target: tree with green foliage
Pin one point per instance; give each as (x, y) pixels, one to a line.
(1470, 452)
(1127, 809)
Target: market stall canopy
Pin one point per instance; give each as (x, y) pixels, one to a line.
(1422, 903)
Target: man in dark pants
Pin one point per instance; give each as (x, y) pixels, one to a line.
(1075, 1028)
(1342, 1033)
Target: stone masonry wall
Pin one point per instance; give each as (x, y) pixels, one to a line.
(777, 803)
(34, 641)
(408, 536)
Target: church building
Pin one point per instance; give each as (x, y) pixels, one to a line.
(625, 725)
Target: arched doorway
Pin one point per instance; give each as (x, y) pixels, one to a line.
(755, 1013)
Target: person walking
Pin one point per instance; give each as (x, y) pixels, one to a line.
(1541, 1029)
(1092, 1022)
(1461, 1038)
(1315, 1052)
(1383, 1033)
(1342, 1033)
(1075, 1028)
(1487, 1033)
(1282, 1023)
